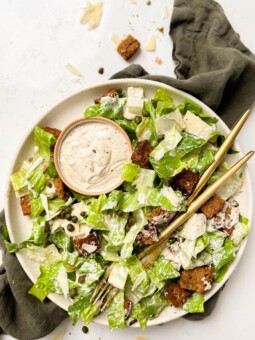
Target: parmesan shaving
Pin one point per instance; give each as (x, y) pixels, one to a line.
(73, 70)
(151, 44)
(133, 2)
(116, 39)
(166, 13)
(92, 15)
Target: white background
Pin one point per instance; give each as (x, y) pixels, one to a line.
(37, 39)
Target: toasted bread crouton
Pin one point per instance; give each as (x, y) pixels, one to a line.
(25, 205)
(54, 131)
(147, 236)
(176, 295)
(198, 279)
(185, 181)
(160, 216)
(128, 47)
(60, 189)
(127, 307)
(141, 154)
(86, 245)
(213, 206)
(111, 93)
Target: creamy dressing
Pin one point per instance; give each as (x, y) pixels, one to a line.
(92, 154)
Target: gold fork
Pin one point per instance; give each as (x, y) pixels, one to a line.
(105, 290)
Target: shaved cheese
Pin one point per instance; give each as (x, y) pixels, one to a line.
(73, 70)
(62, 280)
(151, 44)
(89, 248)
(166, 13)
(116, 39)
(139, 337)
(92, 15)
(196, 126)
(133, 2)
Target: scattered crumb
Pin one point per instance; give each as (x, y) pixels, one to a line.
(92, 15)
(116, 39)
(58, 336)
(101, 70)
(133, 2)
(161, 29)
(150, 46)
(158, 60)
(139, 337)
(148, 2)
(73, 70)
(166, 13)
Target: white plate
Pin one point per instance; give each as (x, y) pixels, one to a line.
(59, 116)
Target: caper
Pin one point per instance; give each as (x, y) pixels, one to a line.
(138, 119)
(72, 292)
(68, 209)
(131, 220)
(146, 113)
(70, 227)
(120, 213)
(154, 102)
(68, 216)
(50, 185)
(161, 137)
(74, 219)
(62, 214)
(83, 214)
(81, 279)
(85, 329)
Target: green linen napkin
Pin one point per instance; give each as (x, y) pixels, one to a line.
(214, 66)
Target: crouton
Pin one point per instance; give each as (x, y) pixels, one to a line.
(213, 206)
(160, 216)
(54, 131)
(147, 236)
(86, 245)
(25, 205)
(111, 93)
(176, 295)
(128, 47)
(198, 279)
(127, 307)
(185, 181)
(141, 154)
(60, 189)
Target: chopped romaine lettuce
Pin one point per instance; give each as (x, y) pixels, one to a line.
(116, 313)
(195, 304)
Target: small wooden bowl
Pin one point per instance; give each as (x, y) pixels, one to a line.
(60, 140)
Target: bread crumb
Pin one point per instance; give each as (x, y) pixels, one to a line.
(116, 39)
(92, 15)
(158, 60)
(139, 337)
(166, 13)
(148, 2)
(160, 29)
(73, 70)
(150, 46)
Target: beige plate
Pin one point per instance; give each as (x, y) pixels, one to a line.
(19, 227)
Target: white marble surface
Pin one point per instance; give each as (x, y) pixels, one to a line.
(38, 38)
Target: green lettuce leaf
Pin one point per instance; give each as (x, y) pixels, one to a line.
(43, 140)
(195, 304)
(129, 171)
(95, 216)
(161, 271)
(223, 255)
(116, 313)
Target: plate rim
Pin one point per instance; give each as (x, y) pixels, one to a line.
(123, 81)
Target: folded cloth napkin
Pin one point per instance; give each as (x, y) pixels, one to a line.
(214, 66)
